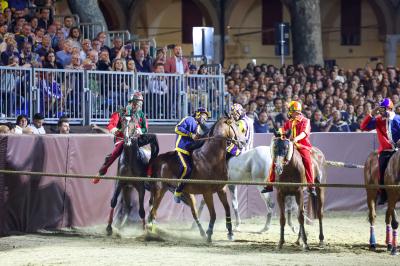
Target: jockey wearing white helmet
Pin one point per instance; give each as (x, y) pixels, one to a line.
(246, 124)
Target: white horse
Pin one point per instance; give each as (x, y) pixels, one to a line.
(254, 165)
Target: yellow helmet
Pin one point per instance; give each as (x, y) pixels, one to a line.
(294, 106)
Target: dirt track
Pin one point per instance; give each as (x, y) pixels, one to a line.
(346, 237)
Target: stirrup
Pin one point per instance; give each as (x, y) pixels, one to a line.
(312, 191)
(267, 189)
(177, 196)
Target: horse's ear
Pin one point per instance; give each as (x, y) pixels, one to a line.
(276, 133)
(288, 133)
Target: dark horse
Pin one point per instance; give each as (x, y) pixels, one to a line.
(209, 163)
(132, 162)
(392, 177)
(289, 168)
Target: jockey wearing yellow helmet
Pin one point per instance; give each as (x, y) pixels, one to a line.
(300, 128)
(246, 124)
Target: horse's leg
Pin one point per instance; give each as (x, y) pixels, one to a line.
(289, 202)
(392, 218)
(141, 191)
(282, 220)
(192, 203)
(208, 198)
(269, 204)
(114, 200)
(235, 205)
(199, 211)
(302, 231)
(371, 195)
(158, 196)
(320, 214)
(126, 195)
(224, 200)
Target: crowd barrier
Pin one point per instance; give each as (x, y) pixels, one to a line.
(90, 97)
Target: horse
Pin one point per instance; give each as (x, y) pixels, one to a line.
(289, 168)
(392, 177)
(253, 165)
(132, 162)
(209, 163)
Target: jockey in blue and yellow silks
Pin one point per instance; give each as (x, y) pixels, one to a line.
(187, 132)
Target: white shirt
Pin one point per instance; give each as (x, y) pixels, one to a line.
(37, 131)
(179, 65)
(18, 130)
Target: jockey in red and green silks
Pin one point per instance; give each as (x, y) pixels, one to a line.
(134, 110)
(187, 131)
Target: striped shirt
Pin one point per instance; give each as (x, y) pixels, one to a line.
(248, 124)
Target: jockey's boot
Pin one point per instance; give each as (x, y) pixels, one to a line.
(267, 189)
(177, 196)
(312, 191)
(382, 197)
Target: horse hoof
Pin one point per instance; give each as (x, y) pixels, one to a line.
(109, 230)
(202, 234)
(306, 247)
(394, 251)
(294, 230)
(265, 229)
(209, 239)
(372, 247)
(231, 237)
(389, 247)
(297, 243)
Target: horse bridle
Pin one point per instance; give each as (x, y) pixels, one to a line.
(127, 136)
(228, 139)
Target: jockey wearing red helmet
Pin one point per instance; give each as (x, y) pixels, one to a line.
(300, 135)
(133, 109)
(387, 125)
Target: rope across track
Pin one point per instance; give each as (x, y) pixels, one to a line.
(196, 181)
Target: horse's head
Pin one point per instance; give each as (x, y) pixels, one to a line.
(227, 128)
(281, 150)
(130, 129)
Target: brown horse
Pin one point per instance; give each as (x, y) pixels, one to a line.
(132, 162)
(392, 177)
(209, 163)
(289, 168)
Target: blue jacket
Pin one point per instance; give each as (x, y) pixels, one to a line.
(185, 130)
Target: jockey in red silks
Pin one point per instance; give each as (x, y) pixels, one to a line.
(387, 125)
(300, 128)
(133, 109)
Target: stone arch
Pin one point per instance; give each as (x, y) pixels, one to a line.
(384, 14)
(208, 9)
(113, 14)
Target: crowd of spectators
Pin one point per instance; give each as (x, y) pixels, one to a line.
(31, 37)
(335, 100)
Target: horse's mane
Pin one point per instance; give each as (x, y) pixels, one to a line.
(208, 132)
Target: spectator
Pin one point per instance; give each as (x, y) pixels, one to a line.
(63, 126)
(192, 69)
(46, 18)
(158, 89)
(86, 48)
(102, 37)
(117, 45)
(177, 64)
(63, 57)
(44, 47)
(10, 51)
(25, 36)
(75, 37)
(4, 129)
(104, 63)
(261, 124)
(75, 62)
(21, 124)
(28, 58)
(140, 62)
(68, 24)
(318, 123)
(336, 124)
(50, 61)
(161, 57)
(118, 65)
(130, 66)
(147, 57)
(37, 126)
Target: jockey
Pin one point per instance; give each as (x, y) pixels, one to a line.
(238, 113)
(133, 109)
(300, 128)
(387, 125)
(187, 131)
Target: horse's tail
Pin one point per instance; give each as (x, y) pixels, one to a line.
(342, 164)
(313, 203)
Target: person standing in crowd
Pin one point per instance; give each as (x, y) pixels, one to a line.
(261, 124)
(177, 64)
(21, 124)
(63, 126)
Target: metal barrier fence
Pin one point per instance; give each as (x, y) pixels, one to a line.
(87, 97)
(90, 30)
(123, 34)
(59, 93)
(15, 93)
